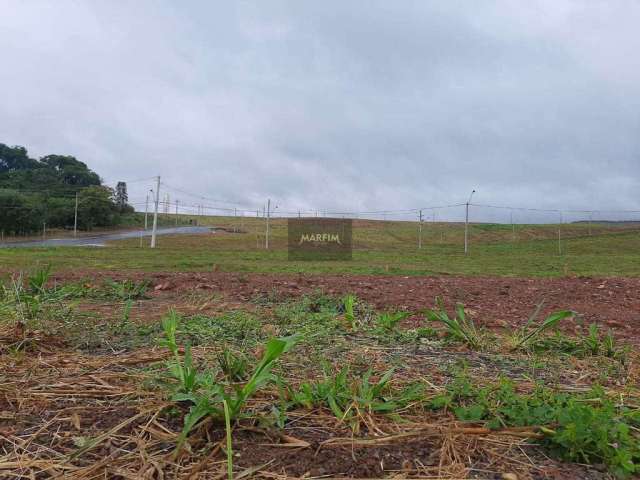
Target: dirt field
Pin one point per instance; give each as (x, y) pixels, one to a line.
(85, 393)
(495, 302)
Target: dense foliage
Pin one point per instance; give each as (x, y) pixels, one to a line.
(38, 192)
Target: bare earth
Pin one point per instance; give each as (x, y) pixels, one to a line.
(492, 301)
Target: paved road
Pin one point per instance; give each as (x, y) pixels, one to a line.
(99, 240)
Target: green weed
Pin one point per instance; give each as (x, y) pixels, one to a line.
(126, 289)
(459, 327)
(181, 369)
(37, 281)
(349, 303)
(313, 316)
(388, 321)
(27, 300)
(426, 333)
(529, 332)
(207, 396)
(348, 397)
(557, 342)
(588, 428)
(596, 344)
(236, 327)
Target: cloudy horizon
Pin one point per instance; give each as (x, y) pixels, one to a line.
(334, 106)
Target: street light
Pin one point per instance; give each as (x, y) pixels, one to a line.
(466, 224)
(471, 196)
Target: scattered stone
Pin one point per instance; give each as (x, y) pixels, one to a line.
(164, 286)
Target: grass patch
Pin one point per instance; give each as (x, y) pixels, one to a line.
(379, 248)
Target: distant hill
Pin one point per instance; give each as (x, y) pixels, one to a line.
(34, 192)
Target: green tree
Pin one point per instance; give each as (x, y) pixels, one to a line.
(20, 214)
(96, 207)
(71, 171)
(33, 192)
(15, 158)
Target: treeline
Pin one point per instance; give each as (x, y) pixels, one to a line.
(39, 192)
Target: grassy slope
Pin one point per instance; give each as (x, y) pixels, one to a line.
(379, 247)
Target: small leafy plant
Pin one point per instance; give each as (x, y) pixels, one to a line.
(597, 344)
(349, 397)
(181, 369)
(37, 281)
(207, 396)
(388, 321)
(349, 303)
(126, 289)
(459, 327)
(592, 340)
(28, 300)
(530, 331)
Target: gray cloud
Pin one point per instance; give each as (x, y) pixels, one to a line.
(335, 105)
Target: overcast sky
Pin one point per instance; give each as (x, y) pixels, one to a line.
(332, 104)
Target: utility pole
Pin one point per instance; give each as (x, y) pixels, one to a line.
(590, 220)
(466, 224)
(560, 236)
(513, 228)
(177, 201)
(155, 213)
(420, 232)
(75, 218)
(146, 211)
(266, 239)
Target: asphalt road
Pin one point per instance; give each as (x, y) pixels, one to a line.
(99, 240)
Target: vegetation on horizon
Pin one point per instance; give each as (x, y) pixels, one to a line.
(34, 193)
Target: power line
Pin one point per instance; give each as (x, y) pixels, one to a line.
(557, 210)
(202, 197)
(128, 181)
(69, 192)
